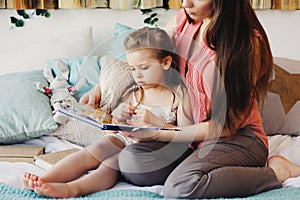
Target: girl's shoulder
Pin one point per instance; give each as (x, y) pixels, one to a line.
(180, 92)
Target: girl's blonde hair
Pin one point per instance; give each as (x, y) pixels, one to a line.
(158, 41)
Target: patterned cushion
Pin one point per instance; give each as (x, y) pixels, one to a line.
(115, 81)
(282, 106)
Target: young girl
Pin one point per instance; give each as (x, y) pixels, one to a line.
(159, 101)
(227, 64)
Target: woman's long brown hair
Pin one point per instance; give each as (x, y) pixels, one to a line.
(230, 35)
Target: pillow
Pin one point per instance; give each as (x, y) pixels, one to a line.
(28, 50)
(116, 50)
(25, 112)
(115, 81)
(78, 132)
(82, 67)
(282, 107)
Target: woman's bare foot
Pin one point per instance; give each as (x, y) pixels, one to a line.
(283, 168)
(56, 190)
(29, 180)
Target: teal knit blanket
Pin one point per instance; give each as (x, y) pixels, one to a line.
(12, 193)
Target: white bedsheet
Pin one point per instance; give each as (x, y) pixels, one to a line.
(11, 173)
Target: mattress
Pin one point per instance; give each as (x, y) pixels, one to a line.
(11, 172)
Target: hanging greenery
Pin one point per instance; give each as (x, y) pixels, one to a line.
(19, 22)
(151, 19)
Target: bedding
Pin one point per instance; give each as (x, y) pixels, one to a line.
(11, 185)
(25, 129)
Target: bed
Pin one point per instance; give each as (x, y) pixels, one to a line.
(26, 115)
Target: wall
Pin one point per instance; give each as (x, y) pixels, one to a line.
(282, 28)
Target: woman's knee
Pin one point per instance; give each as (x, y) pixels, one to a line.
(183, 185)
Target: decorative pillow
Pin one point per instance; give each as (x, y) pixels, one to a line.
(115, 81)
(22, 54)
(78, 132)
(25, 112)
(282, 106)
(82, 67)
(116, 50)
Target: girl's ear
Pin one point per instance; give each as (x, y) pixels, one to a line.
(167, 62)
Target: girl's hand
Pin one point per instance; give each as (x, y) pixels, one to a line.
(144, 117)
(122, 113)
(92, 98)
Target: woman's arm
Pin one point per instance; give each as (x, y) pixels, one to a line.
(184, 111)
(92, 98)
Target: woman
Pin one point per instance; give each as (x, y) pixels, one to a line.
(220, 43)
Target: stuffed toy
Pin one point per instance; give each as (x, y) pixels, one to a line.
(59, 90)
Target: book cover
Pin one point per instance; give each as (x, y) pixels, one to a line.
(96, 3)
(14, 153)
(175, 4)
(293, 4)
(280, 4)
(71, 4)
(79, 115)
(2, 4)
(47, 160)
(267, 4)
(117, 4)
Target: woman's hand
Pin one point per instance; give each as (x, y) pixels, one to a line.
(123, 113)
(143, 135)
(92, 98)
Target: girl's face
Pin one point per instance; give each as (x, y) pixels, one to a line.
(147, 70)
(198, 9)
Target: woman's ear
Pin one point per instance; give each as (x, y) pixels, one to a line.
(167, 62)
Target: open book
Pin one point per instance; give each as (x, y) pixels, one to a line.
(79, 115)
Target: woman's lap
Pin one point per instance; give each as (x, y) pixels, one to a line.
(227, 168)
(214, 170)
(150, 163)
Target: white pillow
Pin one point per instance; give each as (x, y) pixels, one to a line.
(33, 54)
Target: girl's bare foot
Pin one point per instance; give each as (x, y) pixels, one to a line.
(56, 190)
(283, 168)
(29, 180)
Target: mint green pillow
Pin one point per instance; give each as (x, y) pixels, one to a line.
(116, 49)
(25, 112)
(81, 67)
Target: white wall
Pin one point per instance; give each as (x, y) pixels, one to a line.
(282, 27)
